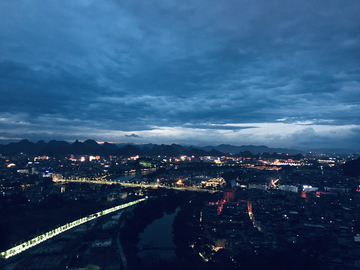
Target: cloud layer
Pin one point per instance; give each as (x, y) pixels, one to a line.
(263, 72)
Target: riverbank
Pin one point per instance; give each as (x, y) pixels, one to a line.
(170, 206)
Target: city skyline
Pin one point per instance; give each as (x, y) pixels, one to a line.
(280, 73)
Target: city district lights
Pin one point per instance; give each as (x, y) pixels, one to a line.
(41, 238)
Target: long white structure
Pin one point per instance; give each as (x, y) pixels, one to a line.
(41, 238)
(289, 188)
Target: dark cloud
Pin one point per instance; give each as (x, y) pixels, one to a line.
(106, 68)
(132, 136)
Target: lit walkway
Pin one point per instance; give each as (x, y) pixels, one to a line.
(41, 238)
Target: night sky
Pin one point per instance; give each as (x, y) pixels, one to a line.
(279, 73)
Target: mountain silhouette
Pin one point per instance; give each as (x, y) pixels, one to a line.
(91, 147)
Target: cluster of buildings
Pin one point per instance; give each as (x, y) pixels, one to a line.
(315, 210)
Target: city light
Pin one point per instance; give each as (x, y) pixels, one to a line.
(179, 182)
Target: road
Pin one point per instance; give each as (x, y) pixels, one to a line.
(135, 185)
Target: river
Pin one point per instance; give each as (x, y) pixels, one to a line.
(158, 236)
(133, 176)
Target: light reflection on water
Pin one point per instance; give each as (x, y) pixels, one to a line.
(133, 176)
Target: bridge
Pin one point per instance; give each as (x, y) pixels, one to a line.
(133, 185)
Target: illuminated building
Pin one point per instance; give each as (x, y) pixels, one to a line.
(214, 182)
(229, 195)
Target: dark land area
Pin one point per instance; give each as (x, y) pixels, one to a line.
(243, 211)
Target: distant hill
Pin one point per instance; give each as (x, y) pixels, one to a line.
(232, 149)
(91, 147)
(333, 150)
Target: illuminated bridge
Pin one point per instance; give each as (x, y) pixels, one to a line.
(41, 238)
(134, 185)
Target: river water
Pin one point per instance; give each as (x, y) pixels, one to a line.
(132, 176)
(158, 235)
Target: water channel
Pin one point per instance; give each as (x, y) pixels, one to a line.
(134, 176)
(156, 242)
